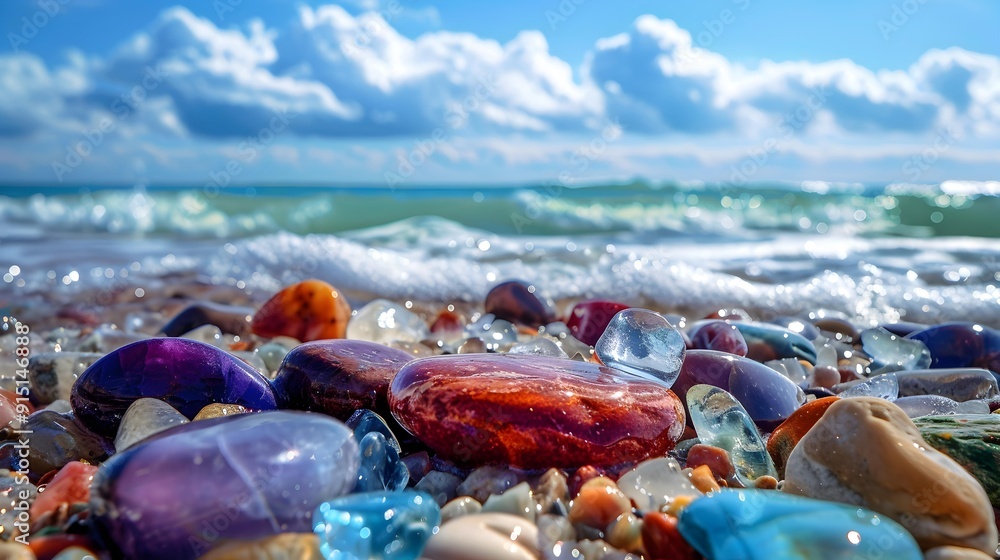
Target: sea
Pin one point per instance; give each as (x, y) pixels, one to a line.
(875, 253)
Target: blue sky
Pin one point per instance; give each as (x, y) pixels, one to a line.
(408, 93)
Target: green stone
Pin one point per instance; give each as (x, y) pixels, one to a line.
(972, 440)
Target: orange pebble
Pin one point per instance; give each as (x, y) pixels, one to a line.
(309, 310)
(600, 502)
(71, 485)
(713, 457)
(662, 540)
(784, 438)
(703, 479)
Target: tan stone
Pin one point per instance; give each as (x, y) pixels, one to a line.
(955, 553)
(286, 546)
(866, 451)
(14, 551)
(485, 536)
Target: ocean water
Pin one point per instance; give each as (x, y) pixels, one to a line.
(876, 253)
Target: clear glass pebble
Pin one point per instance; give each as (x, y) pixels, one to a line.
(383, 321)
(655, 483)
(890, 352)
(540, 346)
(885, 386)
(937, 405)
(643, 343)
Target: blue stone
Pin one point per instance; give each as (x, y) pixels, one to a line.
(765, 524)
(643, 343)
(769, 342)
(376, 525)
(365, 421)
(891, 352)
(381, 467)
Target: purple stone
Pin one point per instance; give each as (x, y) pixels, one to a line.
(718, 335)
(589, 319)
(520, 303)
(186, 374)
(338, 377)
(184, 490)
(767, 396)
(956, 345)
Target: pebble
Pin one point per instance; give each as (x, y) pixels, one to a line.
(770, 342)
(376, 525)
(485, 536)
(380, 468)
(307, 311)
(56, 440)
(653, 484)
(936, 405)
(520, 303)
(552, 491)
(384, 322)
(71, 485)
(14, 551)
(185, 374)
(144, 418)
(721, 421)
(959, 384)
(718, 335)
(516, 500)
(885, 386)
(599, 503)
(514, 410)
(539, 347)
(462, 505)
(178, 494)
(16, 495)
(338, 377)
(955, 553)
(715, 458)
(230, 319)
(440, 485)
(970, 440)
(785, 437)
(959, 345)
(643, 343)
(867, 452)
(663, 540)
(52, 374)
(588, 320)
(764, 525)
(891, 352)
(485, 481)
(215, 410)
(286, 546)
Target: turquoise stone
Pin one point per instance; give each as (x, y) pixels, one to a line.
(377, 525)
(770, 342)
(720, 420)
(764, 525)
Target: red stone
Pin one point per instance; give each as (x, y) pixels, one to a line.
(534, 412)
(447, 323)
(715, 458)
(8, 407)
(49, 546)
(589, 319)
(785, 437)
(70, 486)
(520, 303)
(581, 476)
(309, 310)
(662, 539)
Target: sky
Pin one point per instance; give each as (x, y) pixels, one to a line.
(408, 93)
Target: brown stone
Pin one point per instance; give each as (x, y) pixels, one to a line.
(309, 310)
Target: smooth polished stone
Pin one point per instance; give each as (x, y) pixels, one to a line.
(956, 553)
(520, 303)
(764, 525)
(497, 335)
(365, 421)
(380, 468)
(15, 551)
(486, 481)
(973, 441)
(866, 452)
(797, 325)
(663, 540)
(52, 374)
(785, 437)
(17, 496)
(216, 410)
(338, 377)
(599, 503)
(144, 418)
(718, 335)
(516, 500)
(935, 405)
(959, 384)
(309, 310)
(229, 319)
(262, 473)
(185, 374)
(653, 484)
(891, 352)
(721, 421)
(286, 546)
(539, 347)
(514, 410)
(957, 345)
(485, 536)
(885, 386)
(588, 320)
(462, 505)
(770, 342)
(643, 343)
(383, 322)
(376, 525)
(71, 485)
(55, 440)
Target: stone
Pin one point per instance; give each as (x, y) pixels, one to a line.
(653, 484)
(770, 342)
(643, 343)
(955, 553)
(338, 377)
(625, 533)
(959, 384)
(376, 525)
(209, 334)
(15, 551)
(885, 386)
(552, 491)
(960, 344)
(721, 421)
(785, 437)
(286, 546)
(56, 440)
(9, 409)
(516, 500)
(71, 485)
(52, 374)
(488, 480)
(16, 493)
(514, 410)
(185, 374)
(936, 405)
(52, 544)
(380, 468)
(264, 473)
(703, 479)
(364, 422)
(588, 320)
(891, 352)
(599, 503)
(383, 321)
(75, 553)
(765, 394)
(107, 339)
(307, 311)
(797, 325)
(866, 452)
(497, 335)
(715, 458)
(973, 441)
(719, 336)
(663, 540)
(763, 525)
(440, 485)
(520, 303)
(230, 319)
(485, 536)
(462, 505)
(144, 418)
(215, 410)
(272, 354)
(539, 347)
